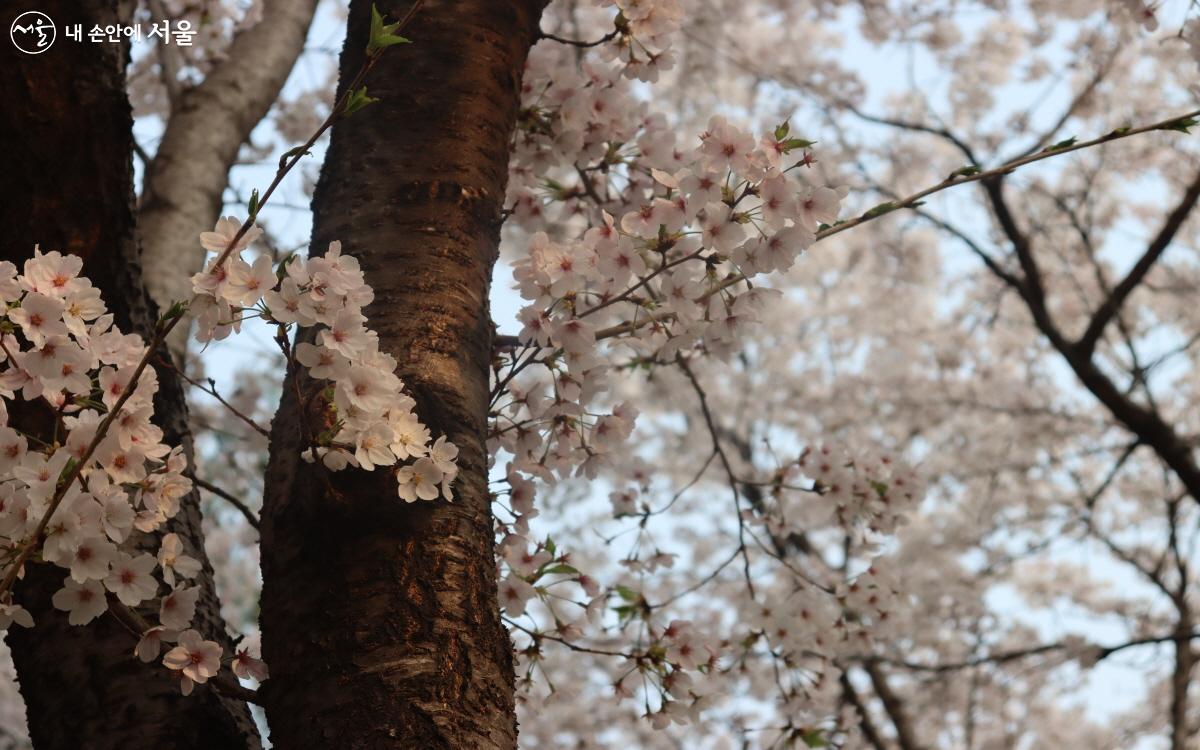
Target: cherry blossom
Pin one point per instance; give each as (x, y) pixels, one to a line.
(131, 579)
(177, 609)
(82, 601)
(248, 667)
(195, 658)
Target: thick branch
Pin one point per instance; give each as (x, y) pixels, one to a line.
(1112, 304)
(870, 733)
(230, 498)
(905, 735)
(1142, 421)
(75, 194)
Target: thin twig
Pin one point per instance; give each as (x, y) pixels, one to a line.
(576, 43)
(232, 499)
(912, 201)
(212, 391)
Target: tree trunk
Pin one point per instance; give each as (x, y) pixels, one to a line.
(69, 187)
(380, 620)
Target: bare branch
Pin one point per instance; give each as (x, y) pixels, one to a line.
(906, 738)
(870, 732)
(576, 43)
(1143, 421)
(1112, 304)
(1005, 168)
(227, 496)
(168, 60)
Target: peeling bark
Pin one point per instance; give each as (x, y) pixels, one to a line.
(190, 170)
(70, 188)
(380, 620)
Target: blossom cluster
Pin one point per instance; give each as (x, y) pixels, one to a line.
(97, 472)
(372, 421)
(671, 277)
(1145, 14)
(676, 660)
(76, 494)
(654, 245)
(871, 492)
(644, 252)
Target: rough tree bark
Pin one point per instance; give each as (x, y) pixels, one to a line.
(70, 188)
(380, 620)
(186, 180)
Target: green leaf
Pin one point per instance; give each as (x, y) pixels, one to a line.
(550, 546)
(627, 593)
(880, 210)
(794, 143)
(66, 471)
(1181, 125)
(281, 269)
(781, 130)
(174, 311)
(357, 100)
(297, 151)
(382, 34)
(813, 738)
(253, 208)
(968, 171)
(561, 568)
(91, 403)
(1060, 145)
(557, 189)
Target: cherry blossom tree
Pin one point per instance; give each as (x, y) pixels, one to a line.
(803, 425)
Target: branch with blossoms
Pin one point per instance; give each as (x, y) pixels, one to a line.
(542, 382)
(204, 668)
(665, 227)
(79, 491)
(677, 235)
(1073, 648)
(73, 498)
(645, 252)
(1179, 123)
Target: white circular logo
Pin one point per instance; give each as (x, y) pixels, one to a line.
(32, 32)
